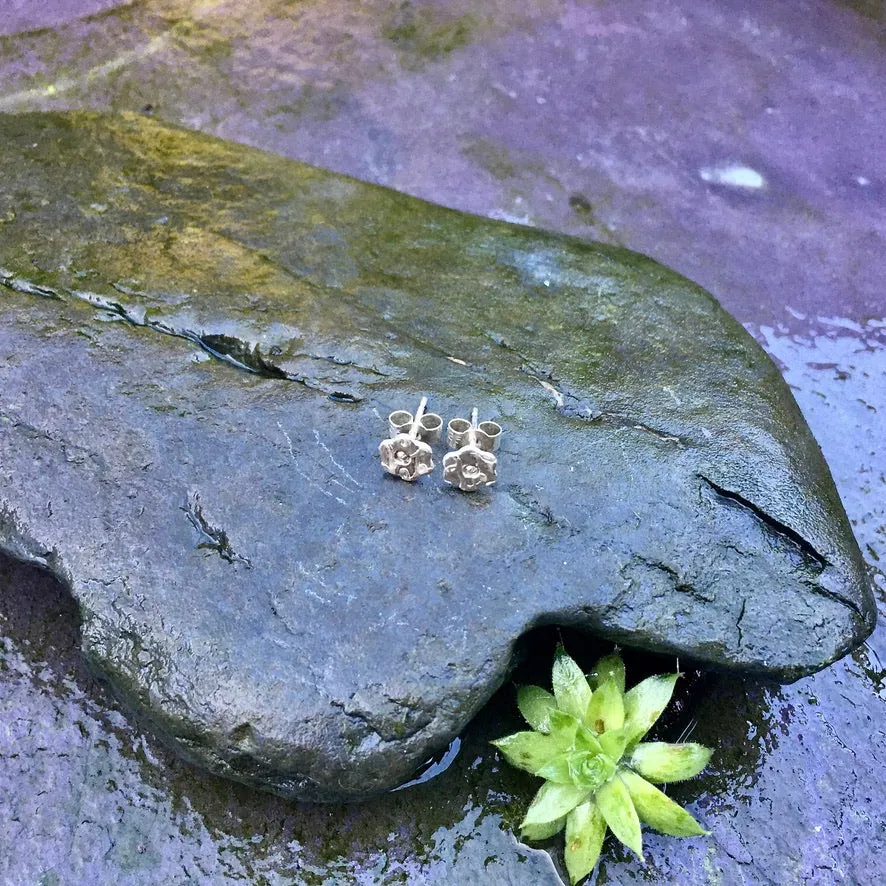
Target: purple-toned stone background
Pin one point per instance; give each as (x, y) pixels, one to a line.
(742, 144)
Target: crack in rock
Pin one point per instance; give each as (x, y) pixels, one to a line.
(678, 582)
(574, 406)
(17, 284)
(818, 561)
(768, 520)
(213, 538)
(237, 352)
(538, 512)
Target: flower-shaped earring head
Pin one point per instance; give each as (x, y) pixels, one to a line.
(473, 464)
(407, 454)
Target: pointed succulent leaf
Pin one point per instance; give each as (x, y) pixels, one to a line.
(607, 708)
(609, 668)
(613, 743)
(529, 750)
(558, 770)
(585, 740)
(644, 704)
(585, 829)
(657, 809)
(543, 831)
(564, 726)
(553, 801)
(618, 810)
(536, 705)
(570, 686)
(660, 762)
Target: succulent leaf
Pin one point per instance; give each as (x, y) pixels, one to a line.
(645, 703)
(558, 770)
(613, 743)
(585, 740)
(542, 831)
(585, 830)
(536, 705)
(553, 801)
(570, 686)
(660, 762)
(657, 809)
(617, 808)
(565, 726)
(531, 750)
(570, 733)
(607, 708)
(609, 668)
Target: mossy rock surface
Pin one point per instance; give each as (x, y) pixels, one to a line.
(200, 344)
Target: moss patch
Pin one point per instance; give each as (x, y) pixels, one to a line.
(424, 34)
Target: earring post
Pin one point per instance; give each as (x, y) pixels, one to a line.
(416, 422)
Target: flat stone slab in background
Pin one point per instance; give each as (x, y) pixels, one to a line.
(284, 613)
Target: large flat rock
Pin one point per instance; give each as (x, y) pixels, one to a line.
(199, 345)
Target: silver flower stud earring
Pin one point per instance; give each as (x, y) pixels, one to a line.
(407, 454)
(473, 464)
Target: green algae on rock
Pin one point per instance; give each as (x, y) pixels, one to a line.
(199, 339)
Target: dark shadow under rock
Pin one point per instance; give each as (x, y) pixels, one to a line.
(201, 343)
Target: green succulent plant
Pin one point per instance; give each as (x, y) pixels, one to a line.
(586, 743)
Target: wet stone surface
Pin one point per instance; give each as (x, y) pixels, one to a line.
(739, 143)
(200, 341)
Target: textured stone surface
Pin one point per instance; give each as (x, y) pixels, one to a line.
(285, 614)
(637, 98)
(618, 121)
(794, 795)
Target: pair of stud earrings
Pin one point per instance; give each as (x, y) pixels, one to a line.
(470, 465)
